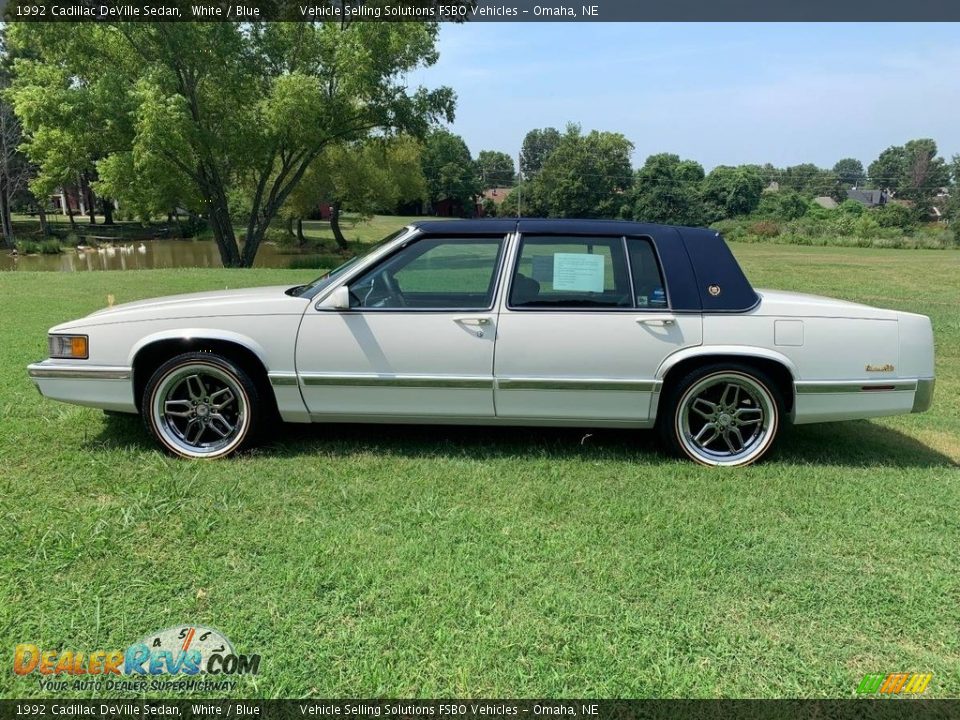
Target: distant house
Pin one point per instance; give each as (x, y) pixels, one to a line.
(451, 207)
(496, 195)
(68, 198)
(825, 201)
(870, 198)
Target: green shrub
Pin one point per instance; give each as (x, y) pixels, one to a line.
(892, 215)
(783, 205)
(851, 207)
(50, 247)
(867, 226)
(764, 229)
(27, 247)
(730, 229)
(191, 227)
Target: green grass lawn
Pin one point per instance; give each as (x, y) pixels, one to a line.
(444, 562)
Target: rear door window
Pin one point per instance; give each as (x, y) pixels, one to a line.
(571, 272)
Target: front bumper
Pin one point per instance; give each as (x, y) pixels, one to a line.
(102, 386)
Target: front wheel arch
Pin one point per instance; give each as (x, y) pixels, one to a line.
(153, 355)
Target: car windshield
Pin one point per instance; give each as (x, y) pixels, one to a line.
(328, 278)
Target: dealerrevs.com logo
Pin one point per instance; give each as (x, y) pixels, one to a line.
(183, 650)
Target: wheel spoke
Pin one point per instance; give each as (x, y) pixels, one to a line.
(736, 431)
(698, 438)
(194, 431)
(220, 425)
(195, 387)
(704, 408)
(731, 394)
(221, 398)
(729, 442)
(748, 416)
(178, 408)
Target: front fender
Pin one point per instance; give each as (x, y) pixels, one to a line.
(200, 334)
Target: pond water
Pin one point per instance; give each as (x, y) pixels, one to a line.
(143, 256)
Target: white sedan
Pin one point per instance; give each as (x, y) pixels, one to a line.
(509, 322)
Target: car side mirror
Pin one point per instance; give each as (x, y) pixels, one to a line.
(339, 299)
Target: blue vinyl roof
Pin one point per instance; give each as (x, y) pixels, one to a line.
(701, 273)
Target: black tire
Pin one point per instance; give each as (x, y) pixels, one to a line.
(723, 414)
(201, 405)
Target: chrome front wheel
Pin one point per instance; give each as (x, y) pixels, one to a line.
(200, 406)
(726, 418)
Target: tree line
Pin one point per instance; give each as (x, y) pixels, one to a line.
(242, 125)
(573, 173)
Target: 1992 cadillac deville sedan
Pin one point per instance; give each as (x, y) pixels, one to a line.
(513, 322)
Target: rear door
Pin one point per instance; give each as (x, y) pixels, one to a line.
(584, 325)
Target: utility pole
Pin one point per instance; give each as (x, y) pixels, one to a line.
(519, 184)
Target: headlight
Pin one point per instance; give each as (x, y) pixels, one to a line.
(73, 347)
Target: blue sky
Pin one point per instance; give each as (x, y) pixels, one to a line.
(715, 93)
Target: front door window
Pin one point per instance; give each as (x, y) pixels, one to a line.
(432, 274)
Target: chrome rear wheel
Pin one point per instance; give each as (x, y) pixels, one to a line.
(726, 418)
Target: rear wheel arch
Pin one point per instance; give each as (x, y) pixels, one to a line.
(780, 373)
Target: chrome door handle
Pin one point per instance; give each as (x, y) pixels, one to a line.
(473, 320)
(657, 322)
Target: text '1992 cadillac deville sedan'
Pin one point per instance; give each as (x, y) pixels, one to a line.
(513, 322)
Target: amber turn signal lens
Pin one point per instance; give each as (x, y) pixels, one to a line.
(78, 346)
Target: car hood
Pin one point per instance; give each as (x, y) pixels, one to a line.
(781, 302)
(271, 300)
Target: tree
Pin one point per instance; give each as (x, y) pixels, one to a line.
(812, 181)
(924, 173)
(15, 170)
(361, 178)
(886, 171)
(449, 169)
(496, 169)
(667, 190)
(522, 200)
(585, 176)
(850, 171)
(226, 110)
(536, 148)
(913, 171)
(730, 191)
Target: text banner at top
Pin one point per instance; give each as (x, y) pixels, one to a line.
(479, 11)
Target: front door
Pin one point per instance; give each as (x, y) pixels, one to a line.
(417, 340)
(586, 325)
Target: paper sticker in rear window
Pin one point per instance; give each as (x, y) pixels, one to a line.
(578, 272)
